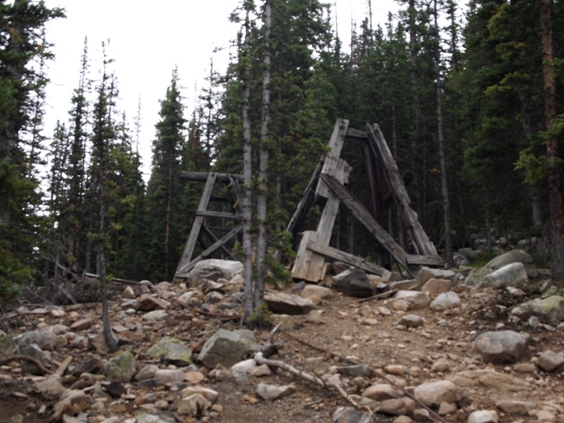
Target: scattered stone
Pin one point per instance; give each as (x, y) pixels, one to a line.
(83, 324)
(44, 339)
(173, 350)
(225, 348)
(483, 416)
(243, 368)
(489, 379)
(185, 298)
(148, 302)
(441, 365)
(395, 369)
(500, 347)
(394, 407)
(445, 301)
(446, 408)
(433, 394)
(314, 317)
(151, 418)
(213, 297)
(382, 391)
(71, 403)
(262, 370)
(411, 321)
(121, 368)
(274, 392)
(155, 315)
(437, 286)
(550, 361)
(427, 273)
(147, 372)
(524, 367)
(356, 370)
(403, 419)
(416, 299)
(281, 303)
(384, 311)
(350, 415)
(354, 282)
(128, 293)
(194, 377)
(403, 285)
(168, 376)
(515, 407)
(400, 305)
(193, 405)
(51, 387)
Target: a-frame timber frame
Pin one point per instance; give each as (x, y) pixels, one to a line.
(329, 180)
(200, 230)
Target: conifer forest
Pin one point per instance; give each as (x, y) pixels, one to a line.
(469, 96)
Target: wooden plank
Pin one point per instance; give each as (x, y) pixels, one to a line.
(332, 156)
(224, 178)
(437, 261)
(197, 224)
(395, 181)
(308, 265)
(336, 254)
(224, 215)
(364, 216)
(185, 270)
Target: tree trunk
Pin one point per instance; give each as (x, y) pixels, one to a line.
(246, 208)
(442, 153)
(263, 167)
(556, 204)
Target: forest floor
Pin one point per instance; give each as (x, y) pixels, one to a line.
(347, 327)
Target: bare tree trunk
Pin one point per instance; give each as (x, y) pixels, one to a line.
(168, 217)
(263, 167)
(556, 203)
(442, 153)
(246, 208)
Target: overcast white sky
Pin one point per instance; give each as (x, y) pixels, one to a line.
(147, 40)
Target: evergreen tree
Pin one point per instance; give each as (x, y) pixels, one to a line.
(164, 190)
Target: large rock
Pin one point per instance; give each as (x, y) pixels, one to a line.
(550, 361)
(354, 282)
(437, 286)
(515, 406)
(549, 309)
(382, 391)
(148, 302)
(500, 347)
(153, 418)
(483, 416)
(514, 256)
(72, 402)
(214, 269)
(350, 415)
(44, 339)
(513, 274)
(193, 405)
(281, 303)
(433, 394)
(121, 368)
(225, 348)
(173, 351)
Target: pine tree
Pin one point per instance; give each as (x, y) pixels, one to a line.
(164, 189)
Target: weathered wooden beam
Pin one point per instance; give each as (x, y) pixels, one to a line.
(207, 231)
(436, 261)
(185, 270)
(332, 156)
(225, 215)
(397, 187)
(197, 224)
(364, 217)
(203, 176)
(336, 254)
(356, 134)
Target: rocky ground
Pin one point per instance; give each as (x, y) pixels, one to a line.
(470, 353)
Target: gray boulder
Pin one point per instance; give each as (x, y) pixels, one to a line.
(416, 299)
(173, 350)
(514, 256)
(549, 361)
(350, 415)
(274, 392)
(549, 309)
(213, 270)
(354, 282)
(445, 301)
(433, 394)
(500, 347)
(483, 416)
(513, 274)
(281, 303)
(225, 348)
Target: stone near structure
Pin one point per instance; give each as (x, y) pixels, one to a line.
(173, 350)
(513, 274)
(445, 301)
(281, 303)
(354, 282)
(226, 348)
(214, 269)
(549, 309)
(515, 256)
